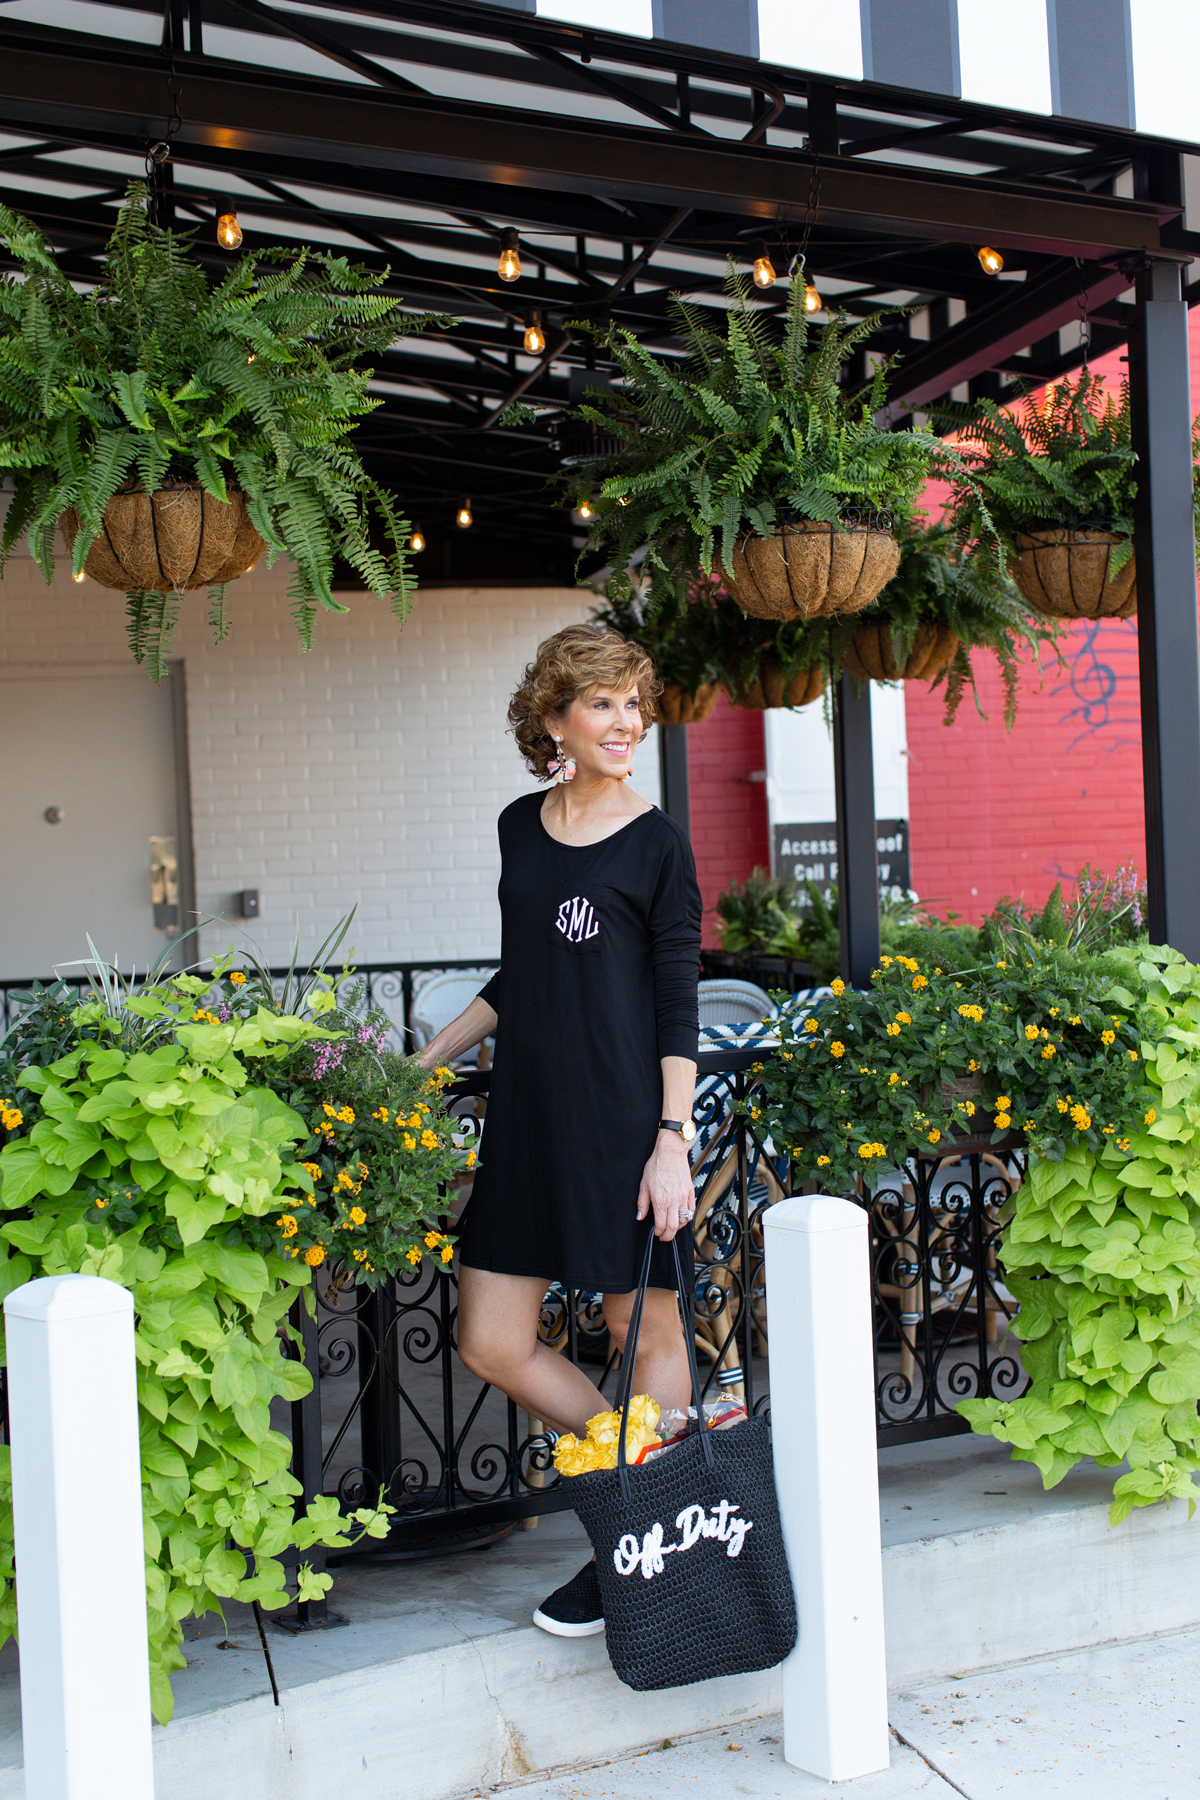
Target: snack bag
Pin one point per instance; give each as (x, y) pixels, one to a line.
(719, 1415)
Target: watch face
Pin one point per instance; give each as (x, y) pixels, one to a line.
(687, 1130)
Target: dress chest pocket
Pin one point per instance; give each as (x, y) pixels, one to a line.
(579, 922)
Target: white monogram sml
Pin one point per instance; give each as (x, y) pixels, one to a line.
(694, 1524)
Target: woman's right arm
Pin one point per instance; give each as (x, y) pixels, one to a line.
(470, 1028)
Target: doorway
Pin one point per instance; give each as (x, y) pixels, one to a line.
(94, 762)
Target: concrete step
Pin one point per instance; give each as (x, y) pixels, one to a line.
(440, 1686)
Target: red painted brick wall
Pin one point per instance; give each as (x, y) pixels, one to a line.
(729, 813)
(994, 813)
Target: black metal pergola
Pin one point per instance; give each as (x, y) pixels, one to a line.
(414, 134)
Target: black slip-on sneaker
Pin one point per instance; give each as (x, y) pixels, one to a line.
(573, 1610)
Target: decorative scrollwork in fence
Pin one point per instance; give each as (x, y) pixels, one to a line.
(395, 1411)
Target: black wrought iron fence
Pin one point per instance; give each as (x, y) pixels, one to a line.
(392, 986)
(395, 1412)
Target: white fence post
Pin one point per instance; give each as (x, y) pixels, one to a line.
(823, 1427)
(77, 1505)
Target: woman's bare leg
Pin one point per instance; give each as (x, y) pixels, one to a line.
(662, 1364)
(497, 1340)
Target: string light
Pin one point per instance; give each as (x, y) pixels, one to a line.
(624, 500)
(586, 510)
(764, 268)
(990, 261)
(535, 337)
(812, 300)
(464, 514)
(80, 577)
(509, 266)
(229, 232)
(416, 542)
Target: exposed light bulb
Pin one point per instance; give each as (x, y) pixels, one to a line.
(764, 268)
(586, 510)
(812, 300)
(229, 232)
(416, 542)
(990, 261)
(535, 337)
(80, 577)
(509, 266)
(623, 500)
(464, 514)
(251, 356)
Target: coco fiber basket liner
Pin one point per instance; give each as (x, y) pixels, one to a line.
(772, 690)
(871, 656)
(1064, 571)
(677, 707)
(810, 568)
(176, 538)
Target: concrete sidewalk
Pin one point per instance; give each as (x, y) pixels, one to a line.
(1121, 1722)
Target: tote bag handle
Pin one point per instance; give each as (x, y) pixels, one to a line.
(631, 1345)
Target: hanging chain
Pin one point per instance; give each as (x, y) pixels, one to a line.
(800, 260)
(160, 153)
(1085, 325)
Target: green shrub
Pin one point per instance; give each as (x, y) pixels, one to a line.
(153, 1152)
(255, 383)
(1102, 1251)
(746, 429)
(870, 1078)
(1061, 457)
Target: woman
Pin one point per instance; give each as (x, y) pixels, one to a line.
(594, 1009)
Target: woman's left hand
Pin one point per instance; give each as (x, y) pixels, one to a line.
(667, 1187)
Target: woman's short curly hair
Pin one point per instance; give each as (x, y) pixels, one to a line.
(570, 666)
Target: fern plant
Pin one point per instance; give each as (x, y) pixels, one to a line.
(740, 433)
(154, 374)
(940, 583)
(1061, 457)
(694, 634)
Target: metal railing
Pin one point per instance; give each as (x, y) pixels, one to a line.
(394, 1411)
(387, 983)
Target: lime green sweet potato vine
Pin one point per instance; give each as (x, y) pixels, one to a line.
(1103, 1255)
(158, 1168)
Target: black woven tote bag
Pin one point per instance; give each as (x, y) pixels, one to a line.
(689, 1549)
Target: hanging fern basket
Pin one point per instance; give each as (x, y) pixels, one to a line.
(871, 656)
(1066, 573)
(179, 537)
(812, 569)
(771, 690)
(677, 707)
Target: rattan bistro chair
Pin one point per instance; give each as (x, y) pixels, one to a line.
(734, 1003)
(441, 999)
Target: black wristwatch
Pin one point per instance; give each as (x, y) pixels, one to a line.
(685, 1127)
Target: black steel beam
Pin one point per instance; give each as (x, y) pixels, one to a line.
(1168, 647)
(858, 867)
(59, 81)
(1017, 318)
(673, 775)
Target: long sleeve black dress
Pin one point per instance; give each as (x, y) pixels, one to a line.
(600, 951)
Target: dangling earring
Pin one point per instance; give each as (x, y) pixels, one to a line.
(563, 769)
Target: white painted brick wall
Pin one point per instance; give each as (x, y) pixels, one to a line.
(369, 771)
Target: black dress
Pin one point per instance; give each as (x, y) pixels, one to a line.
(600, 952)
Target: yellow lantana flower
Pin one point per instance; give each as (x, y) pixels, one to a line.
(314, 1256)
(838, 987)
